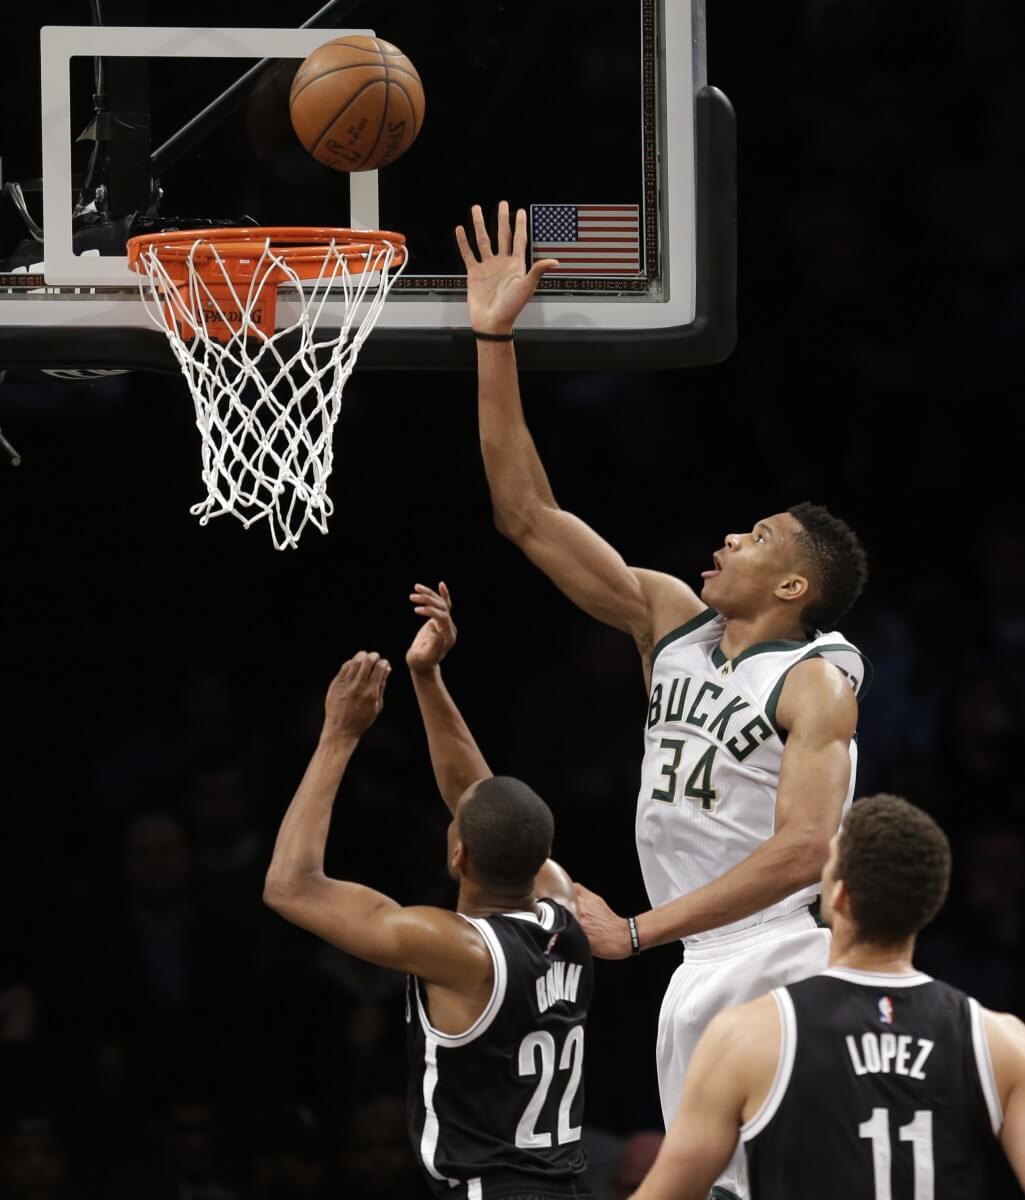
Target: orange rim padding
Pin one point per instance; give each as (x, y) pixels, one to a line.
(234, 252)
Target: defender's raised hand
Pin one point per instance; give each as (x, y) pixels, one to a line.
(498, 283)
(437, 635)
(356, 695)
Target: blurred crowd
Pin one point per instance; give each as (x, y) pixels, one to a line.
(162, 1034)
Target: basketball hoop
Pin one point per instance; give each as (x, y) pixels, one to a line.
(266, 399)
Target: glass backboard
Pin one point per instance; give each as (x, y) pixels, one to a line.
(568, 111)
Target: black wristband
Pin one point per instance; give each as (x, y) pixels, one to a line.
(635, 941)
(492, 337)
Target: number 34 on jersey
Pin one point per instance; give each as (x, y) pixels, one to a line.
(709, 719)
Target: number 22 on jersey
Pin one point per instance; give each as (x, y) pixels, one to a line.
(541, 1045)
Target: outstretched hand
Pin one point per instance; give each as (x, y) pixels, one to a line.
(498, 283)
(437, 635)
(356, 695)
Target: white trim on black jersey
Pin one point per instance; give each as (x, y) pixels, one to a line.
(784, 1066)
(429, 1137)
(546, 919)
(452, 1040)
(878, 978)
(984, 1064)
(433, 1038)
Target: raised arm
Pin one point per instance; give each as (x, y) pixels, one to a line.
(818, 710)
(645, 604)
(455, 757)
(429, 942)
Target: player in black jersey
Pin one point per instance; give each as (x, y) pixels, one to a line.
(870, 1081)
(498, 991)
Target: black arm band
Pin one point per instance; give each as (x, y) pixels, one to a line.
(635, 941)
(492, 337)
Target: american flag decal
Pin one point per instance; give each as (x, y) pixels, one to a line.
(587, 239)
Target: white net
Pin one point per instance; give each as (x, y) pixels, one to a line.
(267, 400)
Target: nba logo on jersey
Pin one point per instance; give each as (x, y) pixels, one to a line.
(886, 1010)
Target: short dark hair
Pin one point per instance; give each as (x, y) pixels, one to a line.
(838, 564)
(507, 830)
(895, 863)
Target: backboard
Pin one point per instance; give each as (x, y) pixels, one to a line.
(570, 111)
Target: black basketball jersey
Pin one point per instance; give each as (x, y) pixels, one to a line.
(884, 1091)
(497, 1111)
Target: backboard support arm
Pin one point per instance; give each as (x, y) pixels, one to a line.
(232, 98)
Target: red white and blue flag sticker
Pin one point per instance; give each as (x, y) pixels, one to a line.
(587, 239)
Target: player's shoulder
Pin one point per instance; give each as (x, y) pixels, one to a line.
(817, 694)
(1004, 1064)
(667, 595)
(446, 946)
(828, 657)
(741, 1025)
(427, 922)
(1004, 1031)
(555, 917)
(818, 676)
(669, 601)
(553, 883)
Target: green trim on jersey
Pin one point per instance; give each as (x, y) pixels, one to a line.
(720, 660)
(721, 1193)
(681, 631)
(818, 652)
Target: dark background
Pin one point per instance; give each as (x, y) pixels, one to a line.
(159, 1029)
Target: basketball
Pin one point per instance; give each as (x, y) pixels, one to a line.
(357, 103)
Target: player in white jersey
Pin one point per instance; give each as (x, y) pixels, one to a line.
(749, 747)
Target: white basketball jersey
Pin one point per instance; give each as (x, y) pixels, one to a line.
(712, 757)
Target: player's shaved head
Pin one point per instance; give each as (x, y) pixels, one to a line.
(506, 830)
(894, 861)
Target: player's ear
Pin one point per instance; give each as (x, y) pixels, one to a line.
(840, 900)
(794, 587)
(457, 861)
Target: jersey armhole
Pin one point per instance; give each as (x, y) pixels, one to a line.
(984, 1066)
(817, 652)
(682, 631)
(494, 1004)
(784, 1066)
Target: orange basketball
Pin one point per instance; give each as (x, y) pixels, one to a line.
(357, 103)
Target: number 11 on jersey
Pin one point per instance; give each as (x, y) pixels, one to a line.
(919, 1133)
